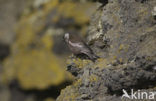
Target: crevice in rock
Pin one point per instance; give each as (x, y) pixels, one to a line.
(131, 78)
(4, 51)
(104, 2)
(141, 1)
(154, 17)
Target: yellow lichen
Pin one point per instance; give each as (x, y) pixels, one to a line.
(121, 60)
(68, 94)
(78, 82)
(31, 61)
(36, 69)
(93, 78)
(101, 63)
(121, 47)
(79, 62)
(47, 41)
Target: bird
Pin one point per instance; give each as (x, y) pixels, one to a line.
(78, 47)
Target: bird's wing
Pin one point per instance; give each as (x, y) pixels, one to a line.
(80, 44)
(83, 47)
(77, 44)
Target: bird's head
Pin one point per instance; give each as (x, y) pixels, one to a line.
(66, 37)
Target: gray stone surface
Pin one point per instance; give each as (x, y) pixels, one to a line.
(123, 34)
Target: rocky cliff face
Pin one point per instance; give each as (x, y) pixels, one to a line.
(122, 33)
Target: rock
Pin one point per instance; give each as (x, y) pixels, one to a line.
(10, 13)
(122, 33)
(4, 93)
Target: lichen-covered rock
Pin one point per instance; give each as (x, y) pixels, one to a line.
(37, 58)
(123, 34)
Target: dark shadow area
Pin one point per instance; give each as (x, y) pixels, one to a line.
(141, 1)
(104, 2)
(154, 17)
(4, 51)
(19, 94)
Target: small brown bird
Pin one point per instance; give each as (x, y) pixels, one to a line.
(78, 46)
